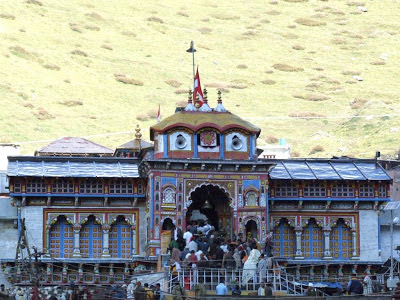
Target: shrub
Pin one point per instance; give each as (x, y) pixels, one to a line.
(350, 72)
(378, 63)
(79, 52)
(204, 30)
(29, 105)
(183, 14)
(108, 47)
(225, 17)
(153, 113)
(142, 117)
(52, 67)
(43, 114)
(306, 114)
(92, 28)
(287, 68)
(241, 66)
(268, 81)
(295, 154)
(7, 16)
(317, 149)
(273, 12)
(95, 16)
(309, 22)
(20, 52)
(205, 20)
(317, 97)
(127, 80)
(269, 71)
(75, 27)
(298, 47)
(35, 2)
(155, 19)
(128, 33)
(237, 86)
(271, 139)
(265, 21)
(71, 103)
(181, 103)
(181, 91)
(358, 103)
(173, 83)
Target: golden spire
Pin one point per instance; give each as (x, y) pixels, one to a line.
(138, 135)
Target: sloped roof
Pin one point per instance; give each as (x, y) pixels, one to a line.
(221, 121)
(90, 167)
(136, 144)
(74, 146)
(330, 169)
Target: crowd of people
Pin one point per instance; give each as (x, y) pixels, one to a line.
(202, 248)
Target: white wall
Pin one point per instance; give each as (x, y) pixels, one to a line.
(369, 235)
(8, 239)
(34, 225)
(7, 150)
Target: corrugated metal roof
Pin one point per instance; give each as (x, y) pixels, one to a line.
(70, 168)
(328, 170)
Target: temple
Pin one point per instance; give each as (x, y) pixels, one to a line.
(111, 213)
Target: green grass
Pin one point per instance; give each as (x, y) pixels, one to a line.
(78, 68)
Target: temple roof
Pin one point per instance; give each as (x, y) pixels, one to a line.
(74, 146)
(221, 121)
(110, 167)
(329, 169)
(136, 145)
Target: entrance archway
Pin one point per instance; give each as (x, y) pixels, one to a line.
(210, 202)
(251, 227)
(168, 224)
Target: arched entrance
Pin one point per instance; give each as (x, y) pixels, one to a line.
(251, 228)
(168, 224)
(210, 202)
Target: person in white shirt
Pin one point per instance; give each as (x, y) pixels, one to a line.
(187, 235)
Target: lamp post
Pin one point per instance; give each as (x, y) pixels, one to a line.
(192, 50)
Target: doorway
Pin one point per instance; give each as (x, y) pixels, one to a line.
(251, 228)
(210, 202)
(168, 224)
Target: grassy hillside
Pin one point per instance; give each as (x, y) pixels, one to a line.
(80, 68)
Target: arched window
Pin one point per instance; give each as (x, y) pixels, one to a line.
(314, 190)
(312, 240)
(251, 199)
(36, 186)
(286, 190)
(382, 191)
(169, 196)
(91, 239)
(121, 239)
(61, 239)
(366, 191)
(342, 190)
(284, 240)
(63, 186)
(341, 241)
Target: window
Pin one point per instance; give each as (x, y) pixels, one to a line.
(314, 190)
(91, 186)
(121, 239)
(342, 190)
(121, 187)
(140, 188)
(169, 196)
(61, 238)
(382, 191)
(36, 186)
(341, 241)
(251, 199)
(91, 239)
(286, 190)
(284, 240)
(17, 187)
(312, 241)
(366, 191)
(63, 187)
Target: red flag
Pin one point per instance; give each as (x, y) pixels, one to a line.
(197, 92)
(159, 114)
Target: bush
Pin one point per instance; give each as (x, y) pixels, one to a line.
(92, 28)
(273, 12)
(52, 67)
(183, 14)
(317, 149)
(142, 117)
(181, 91)
(127, 80)
(71, 103)
(309, 22)
(241, 66)
(298, 47)
(306, 115)
(35, 2)
(225, 17)
(271, 139)
(287, 68)
(79, 52)
(378, 63)
(268, 81)
(75, 27)
(108, 47)
(7, 16)
(173, 83)
(155, 19)
(43, 114)
(204, 30)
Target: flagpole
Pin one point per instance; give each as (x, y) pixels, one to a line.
(191, 49)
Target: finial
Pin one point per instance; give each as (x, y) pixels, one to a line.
(138, 135)
(205, 95)
(220, 107)
(197, 102)
(190, 96)
(205, 107)
(190, 106)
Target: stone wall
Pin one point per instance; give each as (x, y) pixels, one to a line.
(34, 225)
(8, 240)
(369, 235)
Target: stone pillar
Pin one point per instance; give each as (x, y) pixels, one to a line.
(134, 246)
(327, 243)
(77, 252)
(354, 241)
(106, 245)
(111, 273)
(96, 271)
(340, 271)
(312, 273)
(47, 250)
(299, 253)
(80, 273)
(65, 273)
(326, 272)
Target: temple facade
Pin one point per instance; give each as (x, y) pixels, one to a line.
(111, 213)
